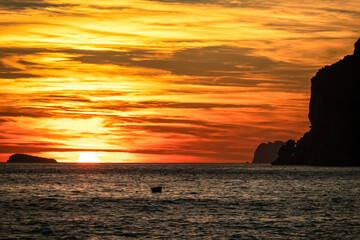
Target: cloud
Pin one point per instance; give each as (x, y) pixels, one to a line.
(193, 136)
(13, 72)
(51, 110)
(61, 98)
(209, 66)
(8, 72)
(28, 4)
(57, 106)
(353, 12)
(33, 112)
(216, 65)
(126, 106)
(203, 61)
(224, 3)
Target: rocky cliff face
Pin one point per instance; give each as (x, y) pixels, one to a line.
(267, 152)
(24, 158)
(334, 138)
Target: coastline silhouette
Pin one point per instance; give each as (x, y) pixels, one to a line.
(25, 158)
(334, 113)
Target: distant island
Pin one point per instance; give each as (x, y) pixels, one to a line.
(267, 152)
(334, 137)
(24, 158)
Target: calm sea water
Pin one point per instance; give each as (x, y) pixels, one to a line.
(199, 201)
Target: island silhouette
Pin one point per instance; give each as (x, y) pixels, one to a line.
(334, 114)
(25, 158)
(267, 152)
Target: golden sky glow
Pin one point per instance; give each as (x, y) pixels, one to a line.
(162, 81)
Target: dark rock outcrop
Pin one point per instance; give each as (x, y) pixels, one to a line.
(334, 137)
(267, 152)
(24, 158)
(286, 154)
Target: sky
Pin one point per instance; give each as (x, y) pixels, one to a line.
(163, 81)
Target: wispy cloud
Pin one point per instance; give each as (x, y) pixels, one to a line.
(15, 5)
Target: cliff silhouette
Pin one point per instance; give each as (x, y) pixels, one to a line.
(24, 158)
(334, 114)
(267, 152)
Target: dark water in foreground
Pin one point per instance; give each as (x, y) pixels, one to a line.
(202, 201)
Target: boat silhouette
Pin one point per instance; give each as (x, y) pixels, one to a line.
(156, 189)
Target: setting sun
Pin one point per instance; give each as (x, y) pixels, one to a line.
(88, 157)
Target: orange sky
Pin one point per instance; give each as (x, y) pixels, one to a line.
(162, 81)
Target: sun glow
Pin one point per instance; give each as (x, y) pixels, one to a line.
(88, 157)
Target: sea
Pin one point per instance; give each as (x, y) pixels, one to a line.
(198, 201)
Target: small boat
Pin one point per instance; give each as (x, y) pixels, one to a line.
(156, 189)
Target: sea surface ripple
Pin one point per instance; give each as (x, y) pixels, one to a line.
(199, 201)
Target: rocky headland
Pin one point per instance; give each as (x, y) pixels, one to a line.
(334, 114)
(267, 152)
(24, 158)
